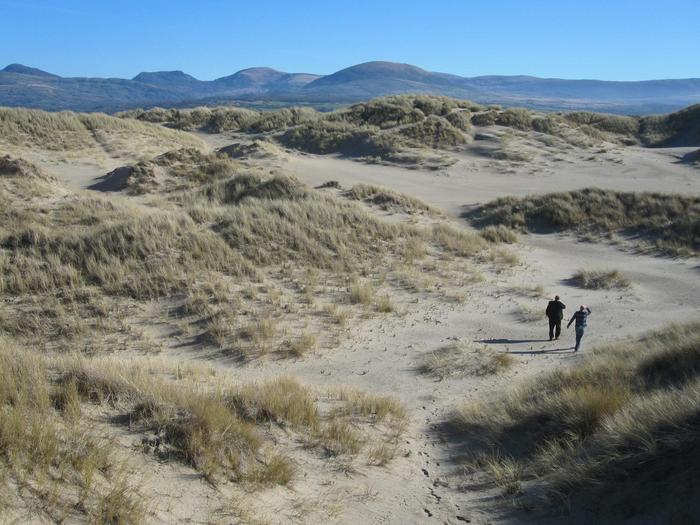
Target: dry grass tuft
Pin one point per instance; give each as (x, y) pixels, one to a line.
(389, 199)
(302, 344)
(459, 360)
(385, 304)
(361, 292)
(600, 279)
(499, 234)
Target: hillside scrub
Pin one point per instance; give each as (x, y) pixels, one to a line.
(669, 223)
(220, 119)
(681, 128)
(616, 434)
(583, 128)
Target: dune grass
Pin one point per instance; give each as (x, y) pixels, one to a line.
(388, 199)
(177, 170)
(60, 469)
(53, 448)
(668, 223)
(67, 131)
(459, 360)
(205, 241)
(600, 279)
(614, 435)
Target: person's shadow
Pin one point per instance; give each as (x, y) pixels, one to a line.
(525, 352)
(536, 352)
(510, 341)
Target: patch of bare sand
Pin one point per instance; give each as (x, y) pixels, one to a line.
(475, 180)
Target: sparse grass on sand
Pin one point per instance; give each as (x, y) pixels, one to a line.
(600, 279)
(458, 360)
(667, 222)
(53, 443)
(614, 435)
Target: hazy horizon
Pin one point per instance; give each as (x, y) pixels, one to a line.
(624, 42)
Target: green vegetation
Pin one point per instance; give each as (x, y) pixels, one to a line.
(600, 279)
(213, 120)
(616, 435)
(388, 129)
(668, 223)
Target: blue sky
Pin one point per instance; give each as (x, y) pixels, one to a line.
(613, 39)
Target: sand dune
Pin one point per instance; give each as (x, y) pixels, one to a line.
(490, 302)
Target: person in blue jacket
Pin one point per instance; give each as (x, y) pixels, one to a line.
(581, 318)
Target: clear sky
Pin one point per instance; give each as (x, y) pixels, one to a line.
(613, 39)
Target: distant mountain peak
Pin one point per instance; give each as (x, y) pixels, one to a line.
(264, 70)
(164, 76)
(26, 70)
(382, 75)
(31, 87)
(251, 77)
(382, 68)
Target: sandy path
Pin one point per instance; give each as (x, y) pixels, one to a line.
(385, 353)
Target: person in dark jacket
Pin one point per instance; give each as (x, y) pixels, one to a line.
(555, 314)
(581, 318)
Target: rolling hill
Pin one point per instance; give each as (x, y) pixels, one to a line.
(29, 87)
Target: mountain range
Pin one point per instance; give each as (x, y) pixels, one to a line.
(30, 87)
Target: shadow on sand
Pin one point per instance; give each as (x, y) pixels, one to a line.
(510, 341)
(536, 352)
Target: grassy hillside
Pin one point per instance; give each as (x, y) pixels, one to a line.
(669, 223)
(611, 438)
(210, 233)
(28, 129)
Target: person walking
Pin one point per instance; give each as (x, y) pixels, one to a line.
(555, 314)
(581, 318)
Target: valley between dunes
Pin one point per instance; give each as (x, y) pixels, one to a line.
(484, 305)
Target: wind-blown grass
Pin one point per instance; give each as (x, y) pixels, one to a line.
(615, 434)
(389, 200)
(669, 223)
(67, 131)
